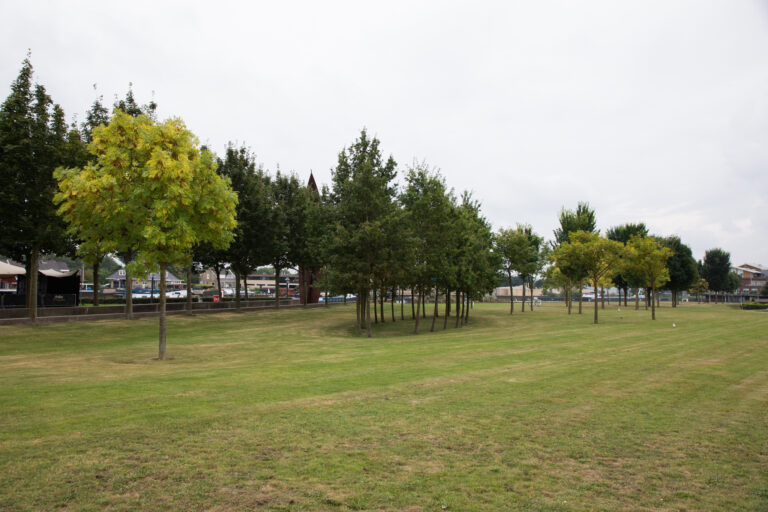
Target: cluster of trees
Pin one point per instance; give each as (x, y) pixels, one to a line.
(629, 257)
(381, 240)
(126, 184)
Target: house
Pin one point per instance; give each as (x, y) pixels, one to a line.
(209, 277)
(117, 280)
(753, 278)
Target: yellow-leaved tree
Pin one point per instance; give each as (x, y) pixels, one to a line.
(151, 192)
(647, 259)
(593, 254)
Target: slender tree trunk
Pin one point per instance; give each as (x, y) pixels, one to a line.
(392, 302)
(367, 313)
(128, 294)
(461, 312)
(359, 314)
(418, 315)
(511, 294)
(375, 307)
(602, 298)
(218, 283)
(402, 304)
(27, 273)
(96, 265)
(581, 295)
(423, 303)
(458, 308)
(34, 265)
(468, 300)
(637, 299)
(647, 298)
(237, 291)
(595, 291)
(626, 289)
(653, 304)
(161, 348)
(522, 305)
(277, 287)
(413, 305)
(188, 301)
(447, 307)
(434, 316)
(382, 298)
(531, 290)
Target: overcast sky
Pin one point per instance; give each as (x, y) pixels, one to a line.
(653, 111)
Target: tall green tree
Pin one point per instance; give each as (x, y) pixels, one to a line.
(33, 142)
(428, 206)
(287, 225)
(363, 195)
(477, 265)
(581, 219)
(681, 266)
(715, 268)
(512, 247)
(531, 263)
(253, 213)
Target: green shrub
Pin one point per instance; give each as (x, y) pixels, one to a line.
(755, 305)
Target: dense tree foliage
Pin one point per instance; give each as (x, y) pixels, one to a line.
(157, 193)
(595, 256)
(647, 258)
(715, 269)
(623, 234)
(681, 267)
(573, 274)
(33, 142)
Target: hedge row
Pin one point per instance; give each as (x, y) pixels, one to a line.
(755, 305)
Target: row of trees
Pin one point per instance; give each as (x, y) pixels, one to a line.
(123, 183)
(628, 257)
(127, 184)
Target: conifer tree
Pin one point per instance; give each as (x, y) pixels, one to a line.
(33, 142)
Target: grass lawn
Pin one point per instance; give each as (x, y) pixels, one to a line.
(290, 410)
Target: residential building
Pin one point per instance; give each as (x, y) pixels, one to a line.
(753, 278)
(117, 280)
(227, 277)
